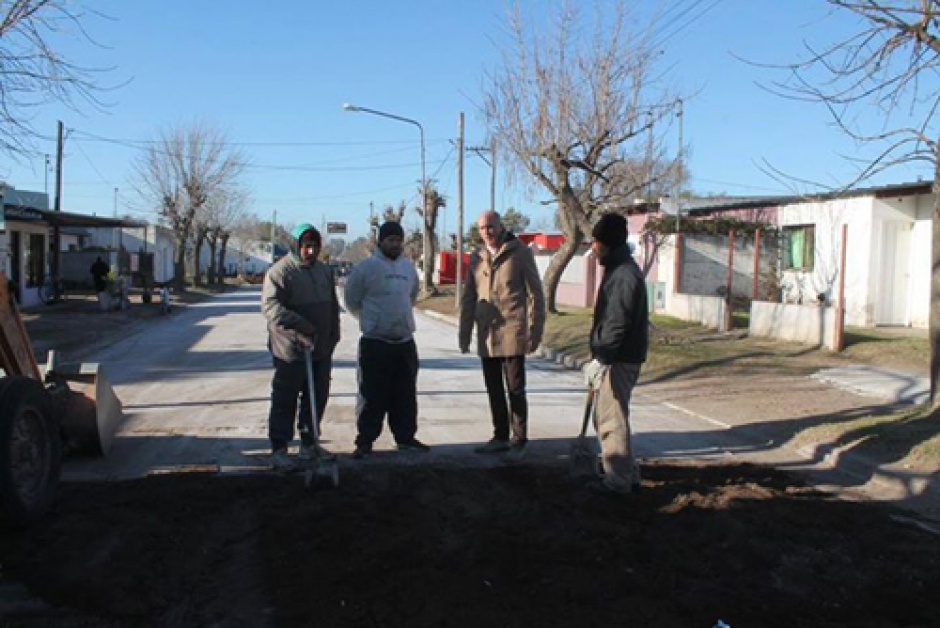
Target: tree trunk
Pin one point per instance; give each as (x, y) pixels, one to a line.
(197, 253)
(210, 267)
(198, 240)
(934, 323)
(179, 265)
(223, 246)
(556, 267)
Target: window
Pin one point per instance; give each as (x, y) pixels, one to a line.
(799, 245)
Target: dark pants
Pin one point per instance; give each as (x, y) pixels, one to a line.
(289, 383)
(503, 375)
(388, 384)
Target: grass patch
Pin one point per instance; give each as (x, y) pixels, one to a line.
(443, 302)
(904, 348)
(910, 436)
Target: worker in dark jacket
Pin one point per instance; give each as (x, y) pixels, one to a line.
(299, 301)
(619, 342)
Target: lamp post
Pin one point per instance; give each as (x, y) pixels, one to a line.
(426, 239)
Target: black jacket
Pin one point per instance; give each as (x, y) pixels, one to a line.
(620, 332)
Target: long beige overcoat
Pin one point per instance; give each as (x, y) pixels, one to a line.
(503, 297)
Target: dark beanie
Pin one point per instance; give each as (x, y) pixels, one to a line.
(611, 230)
(390, 228)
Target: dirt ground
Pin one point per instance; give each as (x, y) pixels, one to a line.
(398, 545)
(403, 543)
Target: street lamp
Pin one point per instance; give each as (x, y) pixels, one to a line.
(426, 240)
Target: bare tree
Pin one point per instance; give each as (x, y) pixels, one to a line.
(433, 202)
(179, 173)
(223, 210)
(33, 73)
(890, 65)
(573, 111)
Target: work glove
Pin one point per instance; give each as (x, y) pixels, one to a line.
(594, 374)
(306, 342)
(532, 344)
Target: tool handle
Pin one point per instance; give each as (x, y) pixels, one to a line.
(588, 407)
(314, 420)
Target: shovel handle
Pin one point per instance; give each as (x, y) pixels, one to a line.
(314, 420)
(588, 407)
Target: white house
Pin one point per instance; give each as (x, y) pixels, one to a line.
(887, 253)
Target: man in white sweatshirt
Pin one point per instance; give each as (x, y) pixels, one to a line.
(381, 292)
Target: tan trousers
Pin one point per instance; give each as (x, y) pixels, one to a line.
(612, 414)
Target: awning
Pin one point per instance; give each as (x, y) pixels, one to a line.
(14, 213)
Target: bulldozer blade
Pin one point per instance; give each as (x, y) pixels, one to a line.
(92, 411)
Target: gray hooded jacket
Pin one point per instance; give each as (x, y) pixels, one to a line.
(381, 293)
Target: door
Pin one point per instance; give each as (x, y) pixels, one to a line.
(894, 282)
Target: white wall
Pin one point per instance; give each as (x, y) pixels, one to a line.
(921, 246)
(828, 218)
(707, 311)
(916, 212)
(574, 272)
(807, 324)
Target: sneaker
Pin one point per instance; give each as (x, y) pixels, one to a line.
(414, 445)
(362, 452)
(314, 452)
(516, 453)
(280, 461)
(493, 447)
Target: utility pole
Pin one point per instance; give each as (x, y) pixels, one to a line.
(56, 236)
(114, 233)
(679, 159)
(459, 278)
(493, 174)
(649, 157)
(47, 178)
(273, 233)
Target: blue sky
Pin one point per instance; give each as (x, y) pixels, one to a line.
(274, 76)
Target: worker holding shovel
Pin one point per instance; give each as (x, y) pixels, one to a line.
(299, 301)
(619, 342)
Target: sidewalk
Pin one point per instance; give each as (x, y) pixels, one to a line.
(878, 382)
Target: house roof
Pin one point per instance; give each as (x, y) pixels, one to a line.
(705, 206)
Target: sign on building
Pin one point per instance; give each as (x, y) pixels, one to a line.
(336, 227)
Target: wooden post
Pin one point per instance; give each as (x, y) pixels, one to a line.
(458, 280)
(729, 321)
(840, 311)
(756, 263)
(677, 264)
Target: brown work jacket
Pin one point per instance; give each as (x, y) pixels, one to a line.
(504, 299)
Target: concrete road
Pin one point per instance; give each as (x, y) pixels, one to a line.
(196, 387)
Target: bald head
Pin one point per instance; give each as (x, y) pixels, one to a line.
(491, 228)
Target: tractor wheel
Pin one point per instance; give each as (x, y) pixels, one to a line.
(30, 450)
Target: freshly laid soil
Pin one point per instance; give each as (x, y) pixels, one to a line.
(419, 545)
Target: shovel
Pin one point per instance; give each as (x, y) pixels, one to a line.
(583, 455)
(324, 471)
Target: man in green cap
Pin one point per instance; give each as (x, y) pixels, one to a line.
(299, 301)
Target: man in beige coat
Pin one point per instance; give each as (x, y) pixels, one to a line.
(503, 297)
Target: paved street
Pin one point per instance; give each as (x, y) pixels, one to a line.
(195, 393)
(195, 390)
